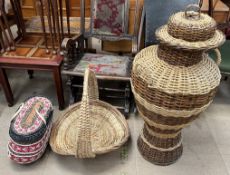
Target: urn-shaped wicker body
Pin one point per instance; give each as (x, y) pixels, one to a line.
(174, 82)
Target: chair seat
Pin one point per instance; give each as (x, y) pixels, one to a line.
(33, 25)
(225, 54)
(105, 64)
(29, 53)
(31, 46)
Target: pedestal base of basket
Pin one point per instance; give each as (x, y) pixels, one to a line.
(159, 150)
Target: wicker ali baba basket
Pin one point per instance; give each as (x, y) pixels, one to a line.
(175, 81)
(91, 127)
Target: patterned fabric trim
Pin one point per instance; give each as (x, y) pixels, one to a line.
(109, 17)
(26, 159)
(29, 149)
(27, 121)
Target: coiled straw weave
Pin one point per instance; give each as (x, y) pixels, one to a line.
(89, 128)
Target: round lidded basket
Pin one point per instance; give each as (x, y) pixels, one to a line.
(191, 25)
(32, 120)
(90, 127)
(190, 30)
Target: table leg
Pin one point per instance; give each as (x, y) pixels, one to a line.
(59, 88)
(31, 74)
(6, 87)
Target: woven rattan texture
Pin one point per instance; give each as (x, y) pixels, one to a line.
(194, 80)
(158, 157)
(164, 134)
(179, 57)
(203, 26)
(163, 120)
(161, 142)
(167, 112)
(89, 128)
(165, 100)
(165, 38)
(155, 124)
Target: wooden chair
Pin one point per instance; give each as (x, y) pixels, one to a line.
(110, 21)
(37, 49)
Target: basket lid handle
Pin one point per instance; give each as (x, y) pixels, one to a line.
(196, 11)
(84, 134)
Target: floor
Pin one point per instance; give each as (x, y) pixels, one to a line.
(206, 142)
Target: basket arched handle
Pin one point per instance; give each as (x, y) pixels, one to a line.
(196, 11)
(218, 56)
(84, 132)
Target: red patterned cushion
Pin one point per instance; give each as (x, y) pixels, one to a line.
(105, 64)
(109, 17)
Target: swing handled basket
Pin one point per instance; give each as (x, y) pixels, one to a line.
(90, 127)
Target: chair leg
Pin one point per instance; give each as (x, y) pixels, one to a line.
(74, 54)
(224, 78)
(6, 87)
(127, 100)
(31, 74)
(66, 60)
(59, 88)
(86, 44)
(135, 111)
(73, 98)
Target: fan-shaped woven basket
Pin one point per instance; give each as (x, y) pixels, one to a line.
(89, 128)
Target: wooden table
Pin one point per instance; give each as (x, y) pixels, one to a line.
(53, 66)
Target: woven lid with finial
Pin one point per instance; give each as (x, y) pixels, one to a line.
(191, 30)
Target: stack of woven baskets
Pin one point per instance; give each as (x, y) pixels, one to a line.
(30, 130)
(175, 81)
